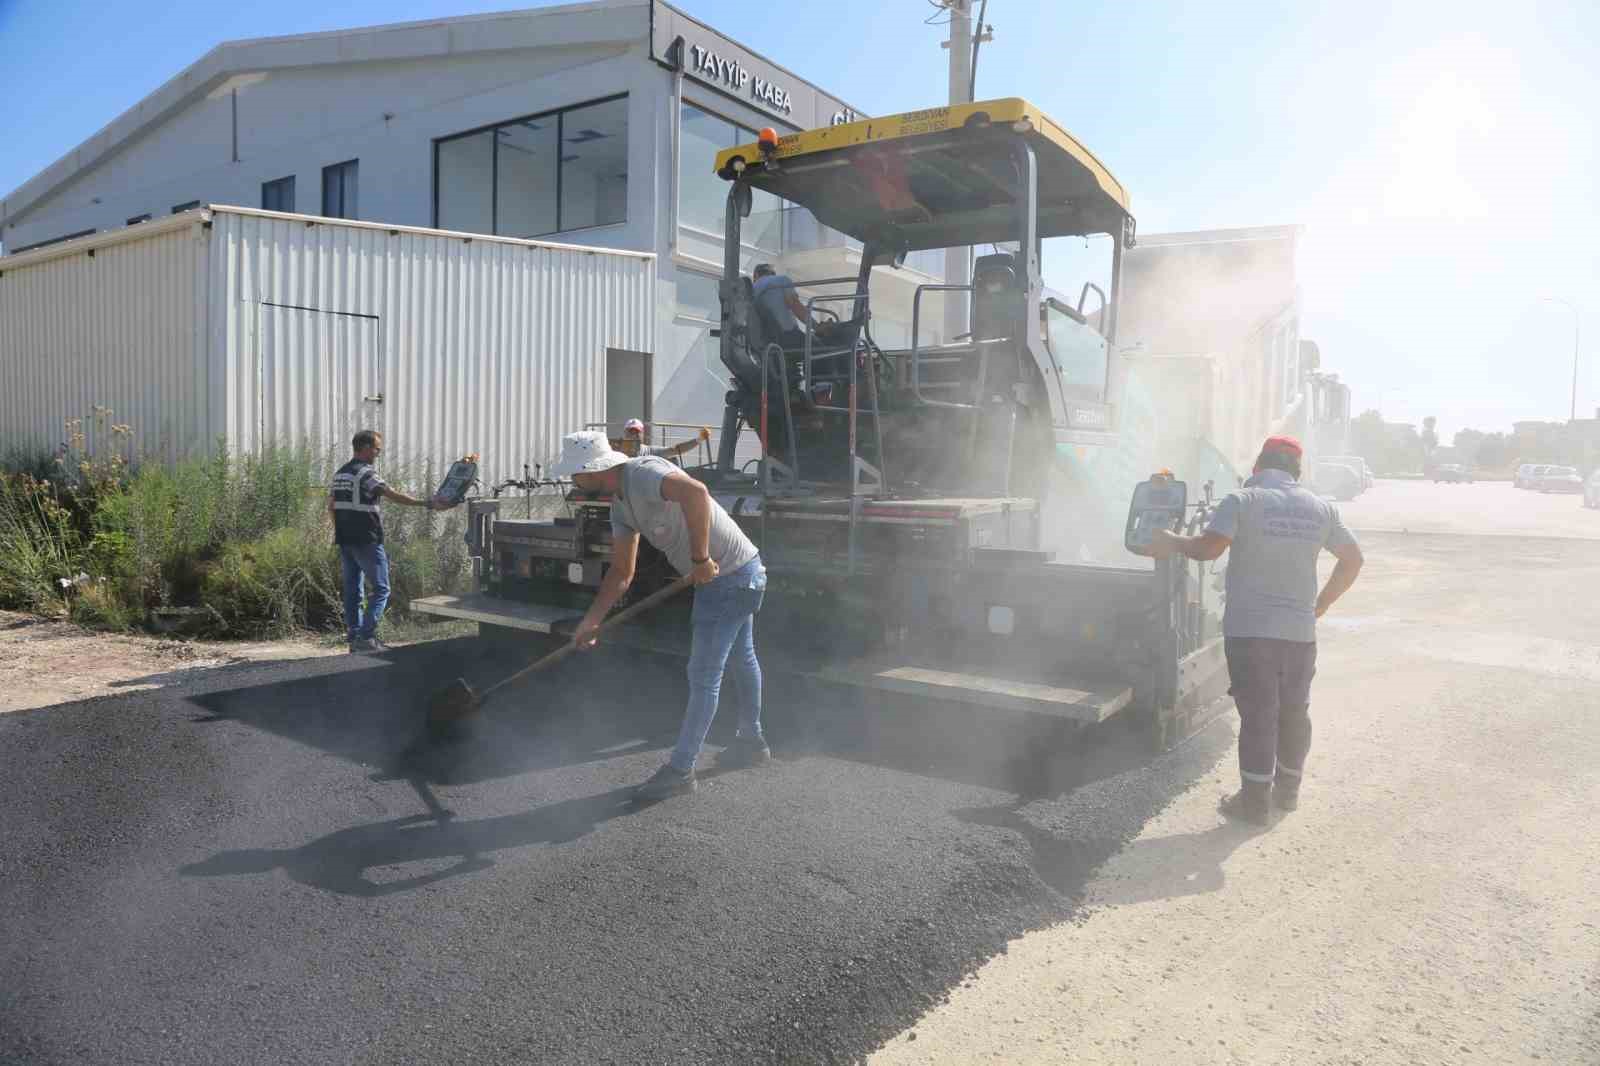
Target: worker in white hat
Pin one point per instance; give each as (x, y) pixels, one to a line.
(652, 498)
(633, 444)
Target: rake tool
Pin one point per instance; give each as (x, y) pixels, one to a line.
(458, 701)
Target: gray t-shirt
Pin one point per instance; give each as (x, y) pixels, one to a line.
(772, 293)
(639, 508)
(1278, 530)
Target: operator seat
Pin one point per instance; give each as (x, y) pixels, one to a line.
(996, 296)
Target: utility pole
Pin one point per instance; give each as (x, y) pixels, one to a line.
(958, 261)
(1573, 417)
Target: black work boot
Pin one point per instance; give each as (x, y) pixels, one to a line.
(744, 751)
(1249, 804)
(667, 781)
(1286, 792)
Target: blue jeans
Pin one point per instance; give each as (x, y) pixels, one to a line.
(368, 560)
(724, 636)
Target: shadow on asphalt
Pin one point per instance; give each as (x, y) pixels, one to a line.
(340, 861)
(619, 701)
(1186, 864)
(586, 709)
(1101, 793)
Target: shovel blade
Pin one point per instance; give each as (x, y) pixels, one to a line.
(452, 703)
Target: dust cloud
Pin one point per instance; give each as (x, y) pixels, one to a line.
(1206, 363)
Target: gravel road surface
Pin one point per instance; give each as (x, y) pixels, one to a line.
(259, 865)
(1432, 901)
(1488, 508)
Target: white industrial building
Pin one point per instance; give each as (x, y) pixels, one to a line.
(585, 124)
(252, 327)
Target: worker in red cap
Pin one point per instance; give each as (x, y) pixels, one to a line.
(1274, 530)
(633, 444)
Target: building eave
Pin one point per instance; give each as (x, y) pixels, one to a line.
(457, 36)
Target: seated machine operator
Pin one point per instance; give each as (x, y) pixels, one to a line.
(783, 310)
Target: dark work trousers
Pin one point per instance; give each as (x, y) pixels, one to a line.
(1270, 681)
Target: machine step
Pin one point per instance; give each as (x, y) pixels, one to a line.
(492, 610)
(1081, 701)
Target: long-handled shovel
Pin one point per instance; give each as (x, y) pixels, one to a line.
(458, 701)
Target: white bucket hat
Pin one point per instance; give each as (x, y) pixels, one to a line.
(586, 452)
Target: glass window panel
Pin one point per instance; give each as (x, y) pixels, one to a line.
(278, 195)
(1080, 353)
(764, 228)
(526, 171)
(466, 183)
(339, 190)
(594, 165)
(702, 196)
(697, 297)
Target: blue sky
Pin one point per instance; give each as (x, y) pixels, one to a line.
(1441, 155)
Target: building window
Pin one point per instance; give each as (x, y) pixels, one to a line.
(278, 195)
(702, 196)
(339, 190)
(594, 165)
(698, 299)
(527, 178)
(179, 209)
(136, 219)
(466, 183)
(563, 170)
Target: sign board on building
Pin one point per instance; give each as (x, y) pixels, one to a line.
(734, 76)
(713, 60)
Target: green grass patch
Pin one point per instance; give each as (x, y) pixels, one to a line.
(246, 539)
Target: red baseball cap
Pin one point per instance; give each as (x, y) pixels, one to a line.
(1282, 444)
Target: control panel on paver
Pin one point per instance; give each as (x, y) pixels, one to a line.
(463, 474)
(1157, 504)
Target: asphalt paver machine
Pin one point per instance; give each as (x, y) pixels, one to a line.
(900, 492)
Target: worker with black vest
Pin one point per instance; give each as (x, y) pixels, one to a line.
(358, 531)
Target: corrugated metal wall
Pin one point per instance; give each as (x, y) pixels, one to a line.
(119, 328)
(292, 329)
(475, 345)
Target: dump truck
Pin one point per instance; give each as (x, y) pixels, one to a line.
(904, 497)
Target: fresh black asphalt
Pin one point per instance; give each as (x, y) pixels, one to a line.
(270, 865)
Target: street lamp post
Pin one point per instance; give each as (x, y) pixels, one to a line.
(1573, 417)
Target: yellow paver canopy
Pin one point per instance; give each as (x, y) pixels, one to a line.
(937, 178)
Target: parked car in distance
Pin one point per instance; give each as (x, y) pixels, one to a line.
(1452, 473)
(1559, 479)
(1528, 475)
(1591, 490)
(1339, 480)
(1360, 465)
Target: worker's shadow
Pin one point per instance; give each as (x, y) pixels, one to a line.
(352, 861)
(582, 711)
(1184, 864)
(1094, 803)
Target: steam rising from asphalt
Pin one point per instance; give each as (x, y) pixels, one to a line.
(1197, 379)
